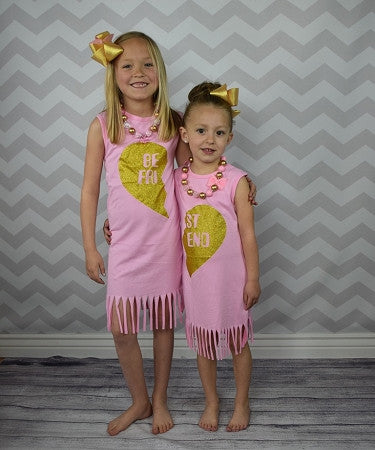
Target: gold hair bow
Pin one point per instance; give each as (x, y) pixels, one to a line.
(230, 96)
(103, 49)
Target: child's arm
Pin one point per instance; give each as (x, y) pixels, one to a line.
(245, 217)
(89, 200)
(253, 191)
(107, 232)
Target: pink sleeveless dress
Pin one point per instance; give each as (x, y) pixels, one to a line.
(213, 271)
(144, 260)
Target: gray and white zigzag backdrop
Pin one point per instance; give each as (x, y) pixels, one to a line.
(306, 134)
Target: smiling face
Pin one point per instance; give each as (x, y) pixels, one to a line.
(136, 74)
(208, 132)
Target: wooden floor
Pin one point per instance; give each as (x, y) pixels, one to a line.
(64, 403)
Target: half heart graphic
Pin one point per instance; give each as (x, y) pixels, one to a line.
(141, 166)
(204, 232)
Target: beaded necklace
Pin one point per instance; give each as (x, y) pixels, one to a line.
(154, 126)
(215, 182)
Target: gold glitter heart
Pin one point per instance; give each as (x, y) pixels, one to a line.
(141, 166)
(204, 232)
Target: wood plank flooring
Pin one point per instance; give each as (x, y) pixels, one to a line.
(65, 403)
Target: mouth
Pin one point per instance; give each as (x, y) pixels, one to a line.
(139, 84)
(208, 151)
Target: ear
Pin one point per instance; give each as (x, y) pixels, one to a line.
(184, 135)
(230, 137)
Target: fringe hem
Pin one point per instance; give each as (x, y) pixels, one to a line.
(215, 344)
(171, 302)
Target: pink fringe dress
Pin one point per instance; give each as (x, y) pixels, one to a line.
(144, 260)
(213, 271)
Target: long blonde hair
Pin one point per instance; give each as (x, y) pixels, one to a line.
(169, 119)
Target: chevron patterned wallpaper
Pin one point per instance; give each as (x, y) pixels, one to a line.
(306, 134)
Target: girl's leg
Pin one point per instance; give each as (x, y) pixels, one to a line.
(209, 420)
(131, 362)
(242, 365)
(163, 352)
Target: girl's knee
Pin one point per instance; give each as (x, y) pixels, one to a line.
(123, 340)
(124, 318)
(238, 345)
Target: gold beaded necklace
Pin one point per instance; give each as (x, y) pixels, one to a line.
(154, 126)
(215, 182)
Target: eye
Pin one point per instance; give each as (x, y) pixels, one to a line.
(127, 66)
(200, 130)
(150, 64)
(220, 133)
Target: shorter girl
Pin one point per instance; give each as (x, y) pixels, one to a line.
(220, 270)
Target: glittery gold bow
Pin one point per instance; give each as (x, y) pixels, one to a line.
(229, 95)
(103, 50)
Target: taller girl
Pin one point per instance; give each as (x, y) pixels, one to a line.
(137, 139)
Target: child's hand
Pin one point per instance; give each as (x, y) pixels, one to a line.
(107, 231)
(253, 192)
(251, 293)
(95, 266)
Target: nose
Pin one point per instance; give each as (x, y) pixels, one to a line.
(210, 137)
(138, 70)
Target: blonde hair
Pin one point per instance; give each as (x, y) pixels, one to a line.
(169, 119)
(201, 95)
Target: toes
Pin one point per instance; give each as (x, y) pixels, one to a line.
(112, 430)
(208, 426)
(233, 428)
(159, 429)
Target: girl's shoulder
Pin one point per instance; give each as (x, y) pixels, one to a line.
(234, 175)
(234, 171)
(102, 116)
(101, 122)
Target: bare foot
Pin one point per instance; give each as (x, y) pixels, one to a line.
(132, 414)
(240, 419)
(162, 420)
(210, 418)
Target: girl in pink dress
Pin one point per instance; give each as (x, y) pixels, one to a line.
(220, 266)
(137, 139)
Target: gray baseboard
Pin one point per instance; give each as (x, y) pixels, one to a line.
(265, 346)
